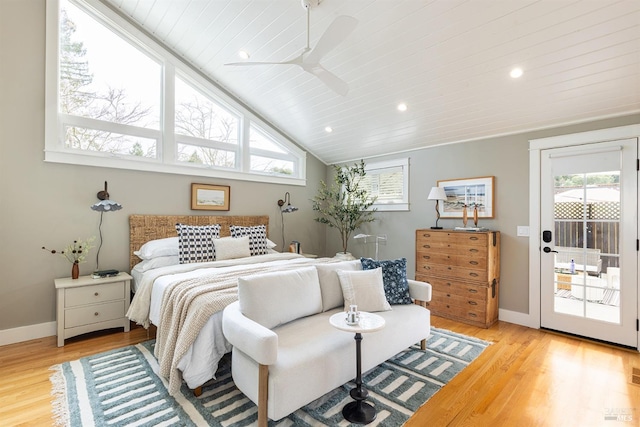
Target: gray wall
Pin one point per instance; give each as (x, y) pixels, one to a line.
(47, 204)
(506, 158)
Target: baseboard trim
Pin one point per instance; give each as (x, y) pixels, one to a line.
(26, 333)
(518, 318)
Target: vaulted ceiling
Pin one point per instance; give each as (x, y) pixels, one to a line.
(447, 60)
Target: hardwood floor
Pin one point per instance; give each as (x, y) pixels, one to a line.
(526, 378)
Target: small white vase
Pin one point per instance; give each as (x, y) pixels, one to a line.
(344, 256)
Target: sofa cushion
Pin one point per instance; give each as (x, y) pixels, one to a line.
(394, 276)
(364, 289)
(275, 298)
(330, 283)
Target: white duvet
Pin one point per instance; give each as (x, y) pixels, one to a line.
(200, 362)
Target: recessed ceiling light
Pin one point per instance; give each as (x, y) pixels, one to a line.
(402, 107)
(516, 72)
(328, 129)
(243, 54)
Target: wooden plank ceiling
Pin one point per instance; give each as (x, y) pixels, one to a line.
(448, 60)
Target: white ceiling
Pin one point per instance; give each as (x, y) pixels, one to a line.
(448, 60)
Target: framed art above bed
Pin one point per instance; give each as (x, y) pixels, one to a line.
(209, 197)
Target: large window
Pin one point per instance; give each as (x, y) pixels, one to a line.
(116, 98)
(389, 182)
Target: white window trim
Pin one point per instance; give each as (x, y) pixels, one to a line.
(404, 164)
(166, 163)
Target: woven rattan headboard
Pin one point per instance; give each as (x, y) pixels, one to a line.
(143, 228)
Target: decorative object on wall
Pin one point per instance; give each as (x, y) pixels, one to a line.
(367, 238)
(207, 197)
(344, 205)
(104, 205)
(289, 208)
(437, 194)
(464, 193)
(75, 253)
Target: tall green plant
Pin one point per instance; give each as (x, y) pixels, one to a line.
(345, 204)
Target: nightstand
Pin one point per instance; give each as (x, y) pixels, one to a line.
(86, 304)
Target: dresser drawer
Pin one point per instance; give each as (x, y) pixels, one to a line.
(461, 292)
(93, 314)
(475, 258)
(475, 314)
(453, 272)
(449, 239)
(94, 294)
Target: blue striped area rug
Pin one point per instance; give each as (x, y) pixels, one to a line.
(121, 388)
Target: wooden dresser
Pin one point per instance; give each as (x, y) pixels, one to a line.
(463, 268)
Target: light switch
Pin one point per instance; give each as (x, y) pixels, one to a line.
(523, 231)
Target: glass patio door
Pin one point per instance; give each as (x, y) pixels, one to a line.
(588, 218)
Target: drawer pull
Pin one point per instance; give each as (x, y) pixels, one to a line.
(96, 294)
(427, 235)
(426, 267)
(473, 238)
(426, 257)
(449, 268)
(426, 246)
(473, 291)
(96, 314)
(473, 303)
(448, 283)
(473, 250)
(474, 262)
(448, 295)
(473, 274)
(472, 315)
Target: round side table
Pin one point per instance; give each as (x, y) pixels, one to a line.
(359, 412)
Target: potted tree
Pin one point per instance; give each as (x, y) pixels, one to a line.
(344, 205)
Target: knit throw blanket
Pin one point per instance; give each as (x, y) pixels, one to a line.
(188, 304)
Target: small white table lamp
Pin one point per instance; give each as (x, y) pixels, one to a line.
(437, 194)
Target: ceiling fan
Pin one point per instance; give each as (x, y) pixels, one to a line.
(309, 59)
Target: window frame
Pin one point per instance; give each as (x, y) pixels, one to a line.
(371, 167)
(167, 142)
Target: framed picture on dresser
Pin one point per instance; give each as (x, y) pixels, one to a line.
(473, 193)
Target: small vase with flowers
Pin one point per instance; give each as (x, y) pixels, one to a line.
(75, 253)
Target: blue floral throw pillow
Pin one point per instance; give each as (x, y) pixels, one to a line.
(394, 276)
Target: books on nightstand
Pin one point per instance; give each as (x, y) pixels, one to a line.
(104, 273)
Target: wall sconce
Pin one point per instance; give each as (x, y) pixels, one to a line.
(104, 205)
(366, 238)
(285, 209)
(437, 194)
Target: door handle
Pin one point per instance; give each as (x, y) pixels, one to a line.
(547, 249)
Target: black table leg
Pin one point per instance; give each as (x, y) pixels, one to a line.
(359, 412)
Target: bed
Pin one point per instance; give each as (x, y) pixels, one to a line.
(185, 301)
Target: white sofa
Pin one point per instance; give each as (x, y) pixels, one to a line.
(285, 352)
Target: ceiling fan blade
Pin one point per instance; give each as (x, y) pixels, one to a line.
(259, 63)
(332, 81)
(337, 31)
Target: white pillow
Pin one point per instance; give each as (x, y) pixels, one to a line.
(364, 289)
(157, 262)
(270, 244)
(330, 284)
(275, 298)
(232, 247)
(160, 247)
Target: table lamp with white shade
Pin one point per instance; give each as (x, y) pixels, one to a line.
(437, 194)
